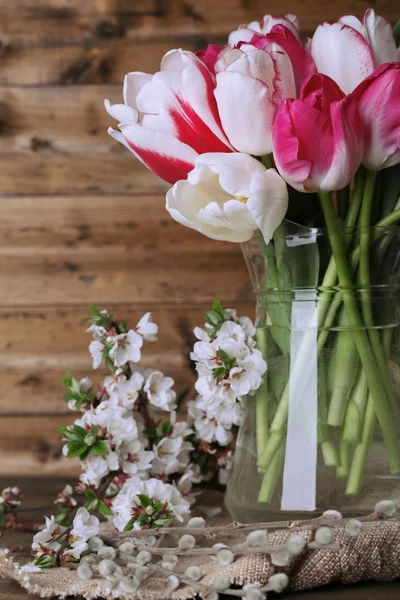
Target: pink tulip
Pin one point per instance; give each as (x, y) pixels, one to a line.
(250, 86)
(209, 56)
(283, 31)
(265, 26)
(169, 118)
(302, 63)
(378, 100)
(318, 139)
(350, 50)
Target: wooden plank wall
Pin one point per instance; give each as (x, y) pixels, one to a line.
(80, 220)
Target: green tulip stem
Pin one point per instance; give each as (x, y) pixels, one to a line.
(374, 379)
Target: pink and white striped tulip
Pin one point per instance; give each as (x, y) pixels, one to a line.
(350, 50)
(169, 118)
(319, 138)
(251, 83)
(263, 27)
(229, 196)
(283, 31)
(378, 100)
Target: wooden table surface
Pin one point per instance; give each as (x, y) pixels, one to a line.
(41, 492)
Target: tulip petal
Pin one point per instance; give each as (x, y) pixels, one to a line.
(166, 156)
(268, 202)
(121, 112)
(179, 101)
(342, 53)
(133, 83)
(377, 99)
(235, 171)
(348, 144)
(380, 35)
(247, 113)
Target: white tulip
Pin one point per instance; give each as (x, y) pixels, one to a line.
(227, 196)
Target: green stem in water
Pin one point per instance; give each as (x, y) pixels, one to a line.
(355, 410)
(278, 426)
(365, 285)
(360, 454)
(272, 474)
(325, 438)
(361, 340)
(344, 455)
(262, 396)
(345, 371)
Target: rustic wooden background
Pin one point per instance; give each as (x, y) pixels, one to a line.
(80, 220)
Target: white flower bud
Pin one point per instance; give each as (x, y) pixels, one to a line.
(172, 583)
(296, 544)
(129, 585)
(221, 583)
(127, 548)
(150, 541)
(281, 558)
(187, 542)
(253, 592)
(107, 552)
(143, 558)
(89, 559)
(107, 567)
(257, 538)
(95, 543)
(84, 571)
(150, 510)
(385, 509)
(324, 536)
(142, 573)
(332, 514)
(170, 558)
(193, 573)
(278, 582)
(196, 522)
(225, 557)
(353, 527)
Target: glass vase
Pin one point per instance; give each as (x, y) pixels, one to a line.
(322, 432)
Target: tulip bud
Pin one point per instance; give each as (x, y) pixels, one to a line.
(378, 102)
(329, 158)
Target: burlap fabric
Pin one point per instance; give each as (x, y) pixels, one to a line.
(373, 555)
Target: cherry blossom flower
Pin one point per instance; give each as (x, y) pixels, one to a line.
(159, 392)
(126, 347)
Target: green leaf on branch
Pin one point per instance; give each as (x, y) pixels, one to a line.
(217, 308)
(100, 448)
(90, 439)
(90, 494)
(80, 432)
(145, 501)
(3, 520)
(212, 318)
(62, 518)
(219, 372)
(129, 525)
(75, 449)
(105, 510)
(45, 562)
(91, 505)
(162, 521)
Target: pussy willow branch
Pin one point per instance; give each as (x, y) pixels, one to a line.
(235, 526)
(241, 549)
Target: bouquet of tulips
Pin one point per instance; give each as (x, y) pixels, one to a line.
(270, 131)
